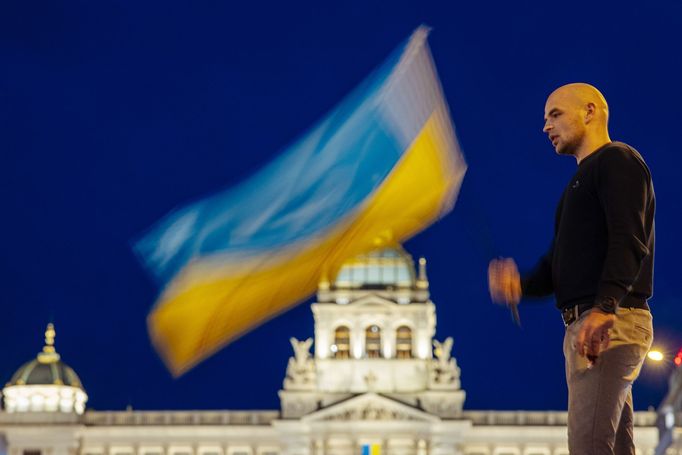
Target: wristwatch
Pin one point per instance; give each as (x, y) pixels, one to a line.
(606, 304)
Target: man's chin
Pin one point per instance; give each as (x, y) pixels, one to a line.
(563, 150)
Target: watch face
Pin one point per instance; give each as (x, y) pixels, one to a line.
(606, 304)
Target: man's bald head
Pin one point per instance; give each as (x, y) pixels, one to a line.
(580, 95)
(576, 119)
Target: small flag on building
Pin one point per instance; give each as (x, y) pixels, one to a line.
(371, 449)
(380, 167)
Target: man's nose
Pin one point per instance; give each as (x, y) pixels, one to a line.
(547, 127)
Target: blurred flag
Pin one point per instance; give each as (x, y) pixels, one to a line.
(380, 167)
(371, 449)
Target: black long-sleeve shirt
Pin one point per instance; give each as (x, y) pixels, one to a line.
(603, 244)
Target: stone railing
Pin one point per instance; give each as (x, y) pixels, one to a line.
(140, 418)
(163, 418)
(540, 418)
(39, 418)
(170, 418)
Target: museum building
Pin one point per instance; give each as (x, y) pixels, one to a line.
(376, 377)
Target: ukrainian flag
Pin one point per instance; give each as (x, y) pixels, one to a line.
(382, 166)
(371, 449)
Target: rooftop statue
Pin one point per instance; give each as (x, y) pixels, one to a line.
(301, 368)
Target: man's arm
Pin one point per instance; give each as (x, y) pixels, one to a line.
(538, 282)
(623, 186)
(623, 190)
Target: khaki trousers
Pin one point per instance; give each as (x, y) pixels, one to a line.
(600, 398)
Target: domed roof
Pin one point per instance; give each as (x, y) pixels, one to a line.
(47, 368)
(37, 373)
(387, 267)
(45, 384)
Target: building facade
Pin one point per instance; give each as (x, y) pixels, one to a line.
(376, 377)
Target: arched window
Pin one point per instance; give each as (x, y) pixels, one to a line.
(373, 342)
(341, 347)
(403, 342)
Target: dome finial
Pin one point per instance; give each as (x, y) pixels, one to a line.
(49, 354)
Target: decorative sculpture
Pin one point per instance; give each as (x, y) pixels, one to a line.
(301, 368)
(301, 350)
(442, 352)
(444, 370)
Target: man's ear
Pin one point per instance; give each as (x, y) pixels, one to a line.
(590, 112)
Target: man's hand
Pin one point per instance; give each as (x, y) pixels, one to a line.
(504, 281)
(593, 336)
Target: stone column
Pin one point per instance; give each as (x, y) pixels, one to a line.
(357, 341)
(298, 446)
(388, 340)
(340, 446)
(401, 446)
(442, 447)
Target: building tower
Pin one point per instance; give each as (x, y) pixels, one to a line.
(45, 384)
(374, 328)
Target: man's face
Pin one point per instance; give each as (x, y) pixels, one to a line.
(564, 123)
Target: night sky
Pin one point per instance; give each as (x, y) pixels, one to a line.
(114, 113)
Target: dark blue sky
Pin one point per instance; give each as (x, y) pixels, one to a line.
(113, 113)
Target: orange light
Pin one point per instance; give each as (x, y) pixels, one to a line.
(655, 355)
(678, 360)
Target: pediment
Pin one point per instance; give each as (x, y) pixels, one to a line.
(370, 406)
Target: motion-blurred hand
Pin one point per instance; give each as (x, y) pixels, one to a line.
(504, 281)
(593, 336)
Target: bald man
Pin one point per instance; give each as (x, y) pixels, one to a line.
(599, 267)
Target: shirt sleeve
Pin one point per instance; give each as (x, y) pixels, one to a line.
(623, 184)
(538, 282)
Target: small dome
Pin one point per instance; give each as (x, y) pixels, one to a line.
(45, 384)
(37, 373)
(388, 267)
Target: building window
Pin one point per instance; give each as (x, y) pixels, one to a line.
(403, 342)
(341, 346)
(373, 342)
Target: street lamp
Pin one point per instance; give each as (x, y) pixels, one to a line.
(655, 355)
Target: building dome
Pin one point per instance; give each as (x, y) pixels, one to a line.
(37, 373)
(45, 384)
(382, 268)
